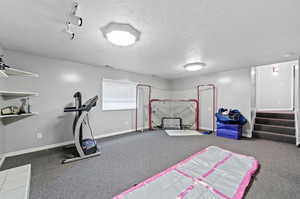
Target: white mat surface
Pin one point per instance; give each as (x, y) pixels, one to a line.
(15, 183)
(212, 173)
(183, 132)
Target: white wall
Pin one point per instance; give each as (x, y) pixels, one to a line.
(1, 50)
(1, 139)
(59, 80)
(233, 90)
(253, 98)
(274, 90)
(57, 83)
(2, 133)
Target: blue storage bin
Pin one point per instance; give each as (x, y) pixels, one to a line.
(232, 131)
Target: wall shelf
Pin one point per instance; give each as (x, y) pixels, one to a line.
(13, 94)
(18, 116)
(17, 72)
(6, 95)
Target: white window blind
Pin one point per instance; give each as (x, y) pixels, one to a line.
(118, 94)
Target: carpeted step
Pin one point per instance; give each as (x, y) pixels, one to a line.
(276, 115)
(275, 129)
(275, 137)
(272, 121)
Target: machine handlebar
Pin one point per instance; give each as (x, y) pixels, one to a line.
(87, 106)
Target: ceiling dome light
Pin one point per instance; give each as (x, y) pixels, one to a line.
(121, 34)
(121, 38)
(194, 66)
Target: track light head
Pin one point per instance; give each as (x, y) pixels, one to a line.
(69, 32)
(75, 6)
(75, 20)
(3, 66)
(72, 35)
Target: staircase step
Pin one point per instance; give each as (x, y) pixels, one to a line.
(275, 129)
(272, 121)
(276, 115)
(275, 137)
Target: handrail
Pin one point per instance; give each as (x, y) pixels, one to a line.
(297, 127)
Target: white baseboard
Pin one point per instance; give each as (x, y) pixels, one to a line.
(247, 135)
(252, 123)
(51, 146)
(297, 127)
(205, 128)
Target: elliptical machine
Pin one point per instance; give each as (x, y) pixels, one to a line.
(86, 148)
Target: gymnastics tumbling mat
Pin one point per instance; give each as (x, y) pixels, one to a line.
(212, 173)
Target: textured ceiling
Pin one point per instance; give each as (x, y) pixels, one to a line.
(224, 34)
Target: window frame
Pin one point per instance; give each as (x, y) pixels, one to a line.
(126, 81)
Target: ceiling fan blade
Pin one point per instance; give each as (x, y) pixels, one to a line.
(18, 72)
(3, 74)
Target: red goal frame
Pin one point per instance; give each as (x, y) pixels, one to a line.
(197, 101)
(175, 100)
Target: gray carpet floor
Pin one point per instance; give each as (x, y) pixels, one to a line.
(129, 159)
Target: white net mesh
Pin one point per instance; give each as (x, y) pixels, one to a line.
(142, 114)
(171, 123)
(166, 113)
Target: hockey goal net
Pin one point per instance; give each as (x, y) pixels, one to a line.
(174, 114)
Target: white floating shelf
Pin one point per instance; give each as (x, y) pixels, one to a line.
(17, 94)
(17, 72)
(15, 116)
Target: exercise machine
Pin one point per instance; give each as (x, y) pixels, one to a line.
(86, 147)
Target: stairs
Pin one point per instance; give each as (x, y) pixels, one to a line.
(277, 126)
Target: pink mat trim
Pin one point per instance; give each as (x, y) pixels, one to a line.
(157, 175)
(245, 182)
(191, 187)
(185, 192)
(217, 165)
(184, 174)
(238, 195)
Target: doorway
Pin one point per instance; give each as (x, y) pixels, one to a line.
(275, 87)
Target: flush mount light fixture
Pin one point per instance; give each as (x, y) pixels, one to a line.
(121, 34)
(194, 66)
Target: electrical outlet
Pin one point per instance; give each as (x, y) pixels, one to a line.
(39, 135)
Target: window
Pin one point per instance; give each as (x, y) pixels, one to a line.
(118, 94)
